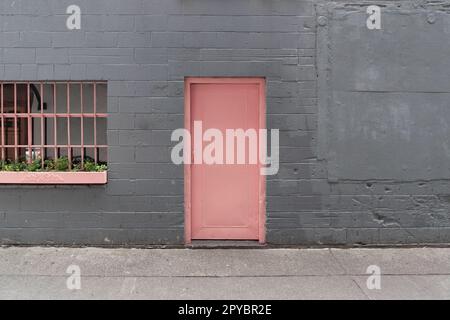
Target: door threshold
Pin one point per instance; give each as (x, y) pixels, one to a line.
(225, 244)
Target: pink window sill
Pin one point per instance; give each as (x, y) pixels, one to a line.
(53, 177)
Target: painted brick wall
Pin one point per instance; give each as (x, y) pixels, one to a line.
(144, 49)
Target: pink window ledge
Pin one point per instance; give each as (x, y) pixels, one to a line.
(7, 177)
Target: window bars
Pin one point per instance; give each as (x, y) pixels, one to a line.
(49, 120)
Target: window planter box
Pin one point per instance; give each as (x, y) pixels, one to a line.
(48, 178)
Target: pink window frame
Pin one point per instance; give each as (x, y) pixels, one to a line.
(261, 82)
(49, 177)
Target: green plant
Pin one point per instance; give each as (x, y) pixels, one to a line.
(59, 164)
(15, 166)
(49, 165)
(77, 167)
(101, 167)
(8, 167)
(90, 166)
(62, 164)
(34, 166)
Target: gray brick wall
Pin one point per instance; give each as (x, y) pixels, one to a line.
(144, 49)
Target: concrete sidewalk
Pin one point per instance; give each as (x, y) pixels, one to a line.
(40, 273)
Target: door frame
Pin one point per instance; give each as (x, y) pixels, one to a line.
(188, 81)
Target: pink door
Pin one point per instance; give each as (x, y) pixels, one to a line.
(225, 201)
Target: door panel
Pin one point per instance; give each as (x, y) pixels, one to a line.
(225, 197)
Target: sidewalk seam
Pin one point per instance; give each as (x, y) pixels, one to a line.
(341, 265)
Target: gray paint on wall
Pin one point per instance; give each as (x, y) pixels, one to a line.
(145, 48)
(388, 93)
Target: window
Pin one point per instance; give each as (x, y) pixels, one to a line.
(53, 126)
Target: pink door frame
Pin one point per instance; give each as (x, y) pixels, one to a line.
(261, 82)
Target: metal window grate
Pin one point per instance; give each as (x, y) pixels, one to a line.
(47, 120)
